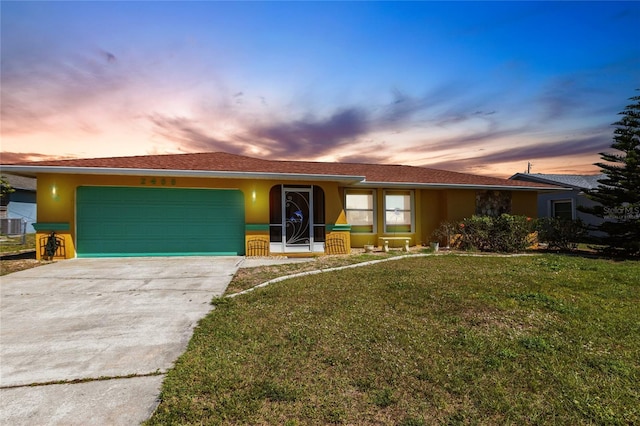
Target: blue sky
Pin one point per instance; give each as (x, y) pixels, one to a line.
(481, 87)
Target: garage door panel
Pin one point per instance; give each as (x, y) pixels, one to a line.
(159, 221)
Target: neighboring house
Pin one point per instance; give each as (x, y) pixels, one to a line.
(225, 204)
(19, 204)
(564, 204)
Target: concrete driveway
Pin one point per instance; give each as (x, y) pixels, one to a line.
(113, 325)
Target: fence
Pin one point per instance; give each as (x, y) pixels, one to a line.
(14, 227)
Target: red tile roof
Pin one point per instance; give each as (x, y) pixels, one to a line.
(224, 162)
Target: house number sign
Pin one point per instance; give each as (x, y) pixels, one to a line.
(157, 181)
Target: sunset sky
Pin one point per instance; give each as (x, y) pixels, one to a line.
(477, 87)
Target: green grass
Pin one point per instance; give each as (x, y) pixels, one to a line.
(250, 277)
(546, 339)
(14, 244)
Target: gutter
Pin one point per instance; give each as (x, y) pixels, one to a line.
(32, 171)
(358, 181)
(457, 186)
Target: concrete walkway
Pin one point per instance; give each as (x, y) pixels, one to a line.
(113, 325)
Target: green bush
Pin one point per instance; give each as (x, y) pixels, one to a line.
(504, 233)
(560, 234)
(475, 233)
(444, 233)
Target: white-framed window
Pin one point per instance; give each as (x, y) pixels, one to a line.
(562, 209)
(360, 210)
(398, 211)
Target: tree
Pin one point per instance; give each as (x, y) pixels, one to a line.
(618, 194)
(5, 190)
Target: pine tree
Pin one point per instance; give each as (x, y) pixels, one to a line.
(619, 192)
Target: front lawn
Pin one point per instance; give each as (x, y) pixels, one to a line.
(547, 339)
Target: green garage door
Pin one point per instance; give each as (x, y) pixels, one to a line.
(122, 221)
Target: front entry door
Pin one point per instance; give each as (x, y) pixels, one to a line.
(298, 221)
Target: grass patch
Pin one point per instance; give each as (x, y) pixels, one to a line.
(246, 278)
(18, 255)
(548, 339)
(14, 244)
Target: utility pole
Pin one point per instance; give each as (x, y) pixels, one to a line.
(529, 165)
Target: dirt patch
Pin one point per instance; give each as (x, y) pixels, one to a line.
(19, 261)
(15, 265)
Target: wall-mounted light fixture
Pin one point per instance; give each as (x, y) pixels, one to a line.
(54, 192)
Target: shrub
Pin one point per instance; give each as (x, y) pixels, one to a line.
(560, 234)
(475, 233)
(511, 233)
(445, 233)
(504, 233)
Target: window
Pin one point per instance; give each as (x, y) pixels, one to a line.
(359, 208)
(562, 209)
(398, 213)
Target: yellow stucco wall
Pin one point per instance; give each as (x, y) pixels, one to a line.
(460, 203)
(434, 206)
(56, 196)
(56, 203)
(360, 240)
(431, 213)
(524, 203)
(431, 207)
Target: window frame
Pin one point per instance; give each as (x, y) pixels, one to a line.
(373, 209)
(317, 214)
(411, 211)
(552, 208)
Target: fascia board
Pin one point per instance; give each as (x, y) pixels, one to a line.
(34, 170)
(358, 181)
(454, 186)
(528, 178)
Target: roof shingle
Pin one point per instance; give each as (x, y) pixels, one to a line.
(225, 162)
(574, 181)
